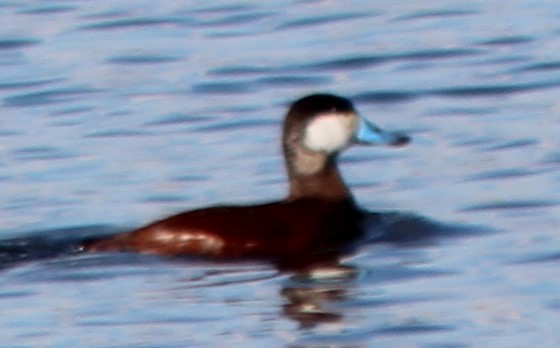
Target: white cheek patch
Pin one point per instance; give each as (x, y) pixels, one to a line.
(329, 132)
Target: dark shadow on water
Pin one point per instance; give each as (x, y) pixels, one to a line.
(48, 244)
(411, 230)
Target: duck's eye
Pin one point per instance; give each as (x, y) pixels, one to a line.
(329, 132)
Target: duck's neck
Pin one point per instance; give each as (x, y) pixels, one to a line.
(313, 175)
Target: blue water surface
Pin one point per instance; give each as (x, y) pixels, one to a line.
(117, 113)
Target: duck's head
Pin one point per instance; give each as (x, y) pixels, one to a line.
(316, 129)
(319, 126)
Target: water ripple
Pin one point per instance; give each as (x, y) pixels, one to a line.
(455, 91)
(29, 83)
(9, 44)
(511, 205)
(73, 110)
(541, 66)
(365, 335)
(507, 40)
(223, 87)
(40, 153)
(222, 8)
(178, 118)
(465, 111)
(190, 318)
(500, 174)
(365, 61)
(191, 178)
(9, 133)
(435, 14)
(236, 19)
(165, 198)
(127, 23)
(511, 144)
(552, 158)
(386, 96)
(408, 328)
(436, 54)
(540, 258)
(241, 70)
(10, 295)
(141, 59)
(492, 90)
(554, 305)
(346, 62)
(474, 142)
(48, 9)
(294, 80)
(52, 96)
(397, 274)
(117, 133)
(236, 124)
(86, 268)
(320, 20)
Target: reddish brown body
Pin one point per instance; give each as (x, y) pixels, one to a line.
(299, 231)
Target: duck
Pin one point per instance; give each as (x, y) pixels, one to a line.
(317, 220)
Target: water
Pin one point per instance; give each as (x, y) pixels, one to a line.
(118, 113)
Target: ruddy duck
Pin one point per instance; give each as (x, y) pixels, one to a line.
(318, 220)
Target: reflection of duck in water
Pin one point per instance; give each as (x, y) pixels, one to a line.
(318, 220)
(309, 294)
